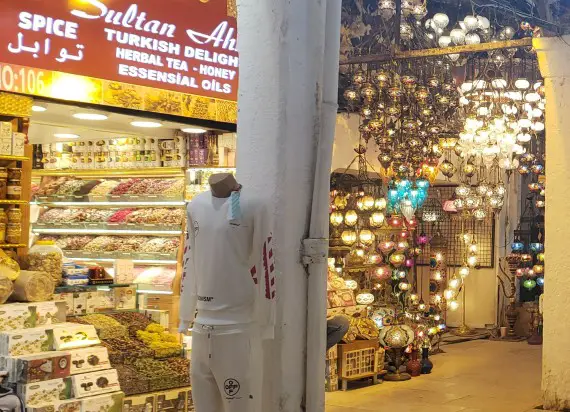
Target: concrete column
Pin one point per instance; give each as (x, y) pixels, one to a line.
(281, 46)
(554, 58)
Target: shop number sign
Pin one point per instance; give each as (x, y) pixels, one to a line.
(183, 46)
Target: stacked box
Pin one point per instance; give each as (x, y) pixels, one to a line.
(5, 138)
(25, 342)
(141, 403)
(45, 392)
(110, 402)
(89, 360)
(36, 368)
(171, 401)
(71, 405)
(95, 383)
(332, 370)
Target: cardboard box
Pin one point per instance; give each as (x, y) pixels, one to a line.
(18, 141)
(95, 383)
(112, 402)
(39, 367)
(25, 342)
(71, 405)
(126, 298)
(5, 138)
(44, 313)
(171, 401)
(89, 360)
(124, 271)
(68, 299)
(80, 303)
(15, 316)
(74, 336)
(139, 403)
(42, 393)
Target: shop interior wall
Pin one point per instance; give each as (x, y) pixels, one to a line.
(481, 286)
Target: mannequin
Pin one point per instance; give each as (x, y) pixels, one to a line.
(228, 293)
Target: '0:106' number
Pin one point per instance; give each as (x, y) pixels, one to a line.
(23, 81)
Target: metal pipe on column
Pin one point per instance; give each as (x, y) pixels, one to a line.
(316, 247)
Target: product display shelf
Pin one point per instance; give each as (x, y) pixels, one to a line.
(13, 202)
(109, 173)
(151, 297)
(9, 158)
(85, 288)
(13, 246)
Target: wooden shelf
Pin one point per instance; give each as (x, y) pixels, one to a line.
(110, 173)
(12, 245)
(13, 202)
(14, 158)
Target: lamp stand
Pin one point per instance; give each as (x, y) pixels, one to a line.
(397, 375)
(464, 330)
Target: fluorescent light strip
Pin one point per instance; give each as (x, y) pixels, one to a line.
(147, 262)
(107, 231)
(155, 292)
(78, 204)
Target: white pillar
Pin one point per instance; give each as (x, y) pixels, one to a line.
(554, 56)
(281, 46)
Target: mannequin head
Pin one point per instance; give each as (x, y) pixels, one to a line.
(222, 184)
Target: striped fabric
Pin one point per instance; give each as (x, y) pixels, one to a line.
(234, 209)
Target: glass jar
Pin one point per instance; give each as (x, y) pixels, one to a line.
(3, 216)
(14, 173)
(14, 233)
(2, 232)
(46, 257)
(3, 182)
(14, 190)
(14, 215)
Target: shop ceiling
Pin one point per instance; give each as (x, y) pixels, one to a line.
(58, 119)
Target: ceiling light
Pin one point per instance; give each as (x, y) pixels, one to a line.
(90, 116)
(147, 124)
(195, 130)
(38, 108)
(66, 136)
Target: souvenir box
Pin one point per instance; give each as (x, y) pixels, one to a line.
(139, 403)
(171, 401)
(111, 402)
(42, 393)
(39, 367)
(73, 336)
(15, 316)
(71, 405)
(89, 360)
(95, 383)
(25, 342)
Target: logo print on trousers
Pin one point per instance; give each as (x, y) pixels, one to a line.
(231, 387)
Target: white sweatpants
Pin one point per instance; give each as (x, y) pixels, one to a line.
(225, 372)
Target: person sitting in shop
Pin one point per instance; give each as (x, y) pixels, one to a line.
(336, 329)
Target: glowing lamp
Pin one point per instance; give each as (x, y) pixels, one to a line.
(387, 246)
(536, 247)
(540, 281)
(454, 283)
(472, 261)
(348, 237)
(404, 286)
(464, 271)
(382, 272)
(397, 259)
(422, 306)
(422, 239)
(437, 276)
(351, 284)
(395, 221)
(453, 305)
(526, 258)
(538, 269)
(365, 298)
(540, 257)
(529, 284)
(336, 219)
(377, 219)
(402, 246)
(374, 259)
(350, 218)
(517, 246)
(448, 294)
(410, 263)
(380, 203)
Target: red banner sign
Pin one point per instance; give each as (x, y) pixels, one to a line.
(186, 46)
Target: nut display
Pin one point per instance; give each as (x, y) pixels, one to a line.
(50, 263)
(107, 327)
(163, 344)
(132, 382)
(162, 374)
(124, 187)
(104, 188)
(126, 350)
(133, 320)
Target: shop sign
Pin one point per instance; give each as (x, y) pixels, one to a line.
(169, 56)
